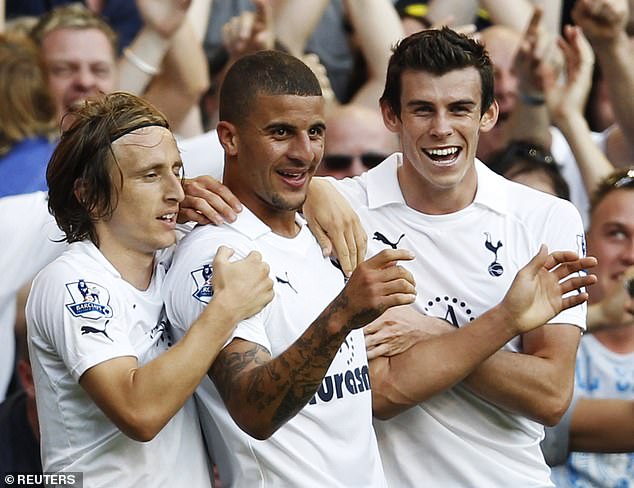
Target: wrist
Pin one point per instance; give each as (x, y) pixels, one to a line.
(505, 319)
(221, 309)
(532, 99)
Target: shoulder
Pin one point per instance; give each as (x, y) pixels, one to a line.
(532, 205)
(204, 241)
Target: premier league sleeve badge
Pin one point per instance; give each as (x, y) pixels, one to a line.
(89, 300)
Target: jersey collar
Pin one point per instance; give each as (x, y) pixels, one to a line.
(252, 227)
(384, 189)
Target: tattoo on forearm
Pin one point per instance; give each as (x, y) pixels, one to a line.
(281, 386)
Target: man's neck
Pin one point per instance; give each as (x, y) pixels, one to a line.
(617, 339)
(135, 267)
(424, 198)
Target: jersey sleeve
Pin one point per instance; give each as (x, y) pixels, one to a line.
(563, 230)
(188, 286)
(78, 316)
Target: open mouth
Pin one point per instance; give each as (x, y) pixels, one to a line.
(169, 217)
(444, 155)
(294, 177)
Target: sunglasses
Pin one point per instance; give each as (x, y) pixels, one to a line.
(530, 152)
(619, 180)
(340, 162)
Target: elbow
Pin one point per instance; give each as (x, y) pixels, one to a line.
(554, 408)
(387, 400)
(259, 430)
(140, 428)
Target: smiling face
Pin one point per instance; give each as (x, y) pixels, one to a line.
(149, 192)
(273, 154)
(439, 126)
(80, 63)
(611, 240)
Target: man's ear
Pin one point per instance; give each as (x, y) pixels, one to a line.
(490, 117)
(227, 134)
(79, 189)
(391, 120)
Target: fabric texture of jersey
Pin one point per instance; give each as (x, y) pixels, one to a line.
(600, 373)
(465, 263)
(80, 313)
(330, 442)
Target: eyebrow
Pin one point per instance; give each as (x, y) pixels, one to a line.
(466, 101)
(157, 166)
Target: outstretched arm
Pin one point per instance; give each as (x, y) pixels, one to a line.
(566, 103)
(602, 425)
(262, 393)
(535, 296)
(603, 22)
(530, 119)
(377, 28)
(142, 59)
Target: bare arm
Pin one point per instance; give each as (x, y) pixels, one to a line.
(133, 396)
(566, 103)
(377, 28)
(602, 425)
(537, 382)
(462, 12)
(142, 59)
(182, 81)
(294, 23)
(262, 393)
(519, 16)
(420, 372)
(530, 119)
(335, 225)
(603, 22)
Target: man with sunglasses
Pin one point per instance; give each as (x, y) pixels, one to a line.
(594, 443)
(357, 141)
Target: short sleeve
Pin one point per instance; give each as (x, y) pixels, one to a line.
(79, 316)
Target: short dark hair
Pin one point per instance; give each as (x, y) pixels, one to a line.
(523, 157)
(84, 157)
(621, 179)
(437, 52)
(264, 73)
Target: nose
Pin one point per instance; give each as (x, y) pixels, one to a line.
(84, 79)
(628, 253)
(174, 188)
(441, 126)
(301, 148)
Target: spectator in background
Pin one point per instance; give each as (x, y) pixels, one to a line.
(594, 444)
(531, 165)
(27, 117)
(80, 54)
(79, 51)
(122, 15)
(19, 428)
(357, 141)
